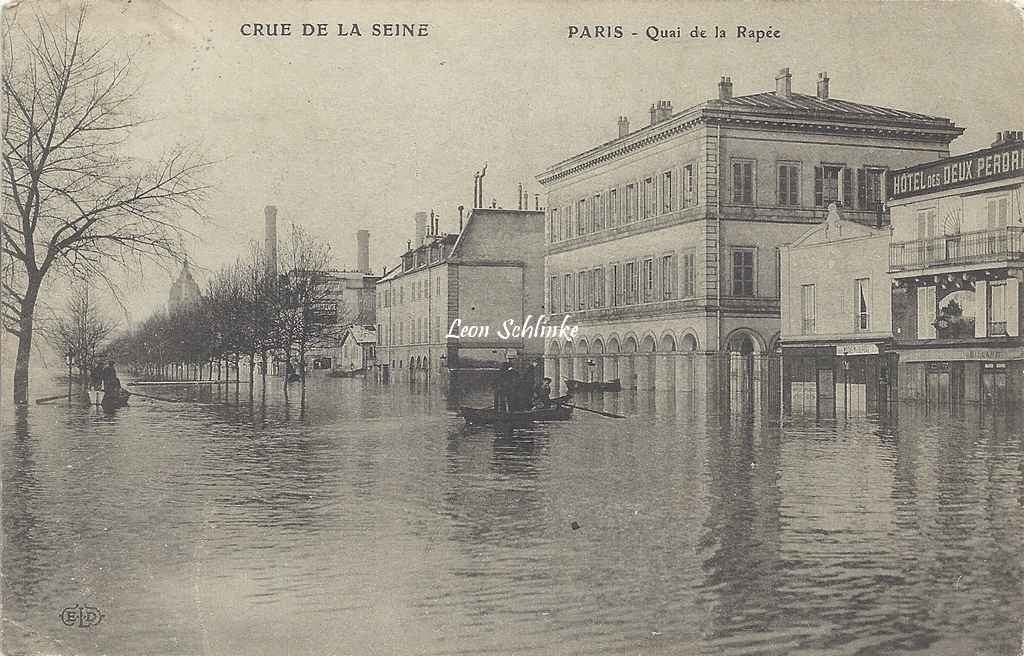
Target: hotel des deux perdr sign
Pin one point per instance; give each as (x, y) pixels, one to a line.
(1003, 161)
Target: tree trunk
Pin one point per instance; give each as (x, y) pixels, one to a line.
(28, 309)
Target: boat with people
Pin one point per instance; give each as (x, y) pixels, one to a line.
(555, 411)
(614, 385)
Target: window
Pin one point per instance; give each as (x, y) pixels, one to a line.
(616, 285)
(789, 184)
(581, 290)
(690, 185)
(871, 189)
(555, 225)
(553, 294)
(649, 202)
(689, 273)
(589, 277)
(997, 309)
(807, 309)
(566, 222)
(668, 277)
(647, 277)
(630, 203)
(613, 208)
(743, 182)
(743, 272)
(833, 184)
(666, 192)
(599, 287)
(598, 212)
(630, 282)
(581, 217)
(567, 293)
(862, 302)
(998, 212)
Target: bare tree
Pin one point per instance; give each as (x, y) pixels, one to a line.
(80, 330)
(73, 201)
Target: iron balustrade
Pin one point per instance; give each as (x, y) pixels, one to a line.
(964, 248)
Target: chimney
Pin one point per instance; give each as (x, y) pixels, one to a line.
(654, 114)
(725, 88)
(461, 208)
(784, 84)
(536, 201)
(623, 126)
(520, 195)
(823, 86)
(270, 239)
(421, 228)
(664, 110)
(363, 250)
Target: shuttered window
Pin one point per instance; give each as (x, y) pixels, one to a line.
(743, 182)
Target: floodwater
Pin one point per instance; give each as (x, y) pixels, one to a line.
(373, 523)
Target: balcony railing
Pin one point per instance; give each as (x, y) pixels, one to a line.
(964, 248)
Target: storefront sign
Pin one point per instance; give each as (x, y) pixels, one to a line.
(982, 166)
(856, 349)
(963, 354)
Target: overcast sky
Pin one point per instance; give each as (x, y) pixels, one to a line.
(343, 133)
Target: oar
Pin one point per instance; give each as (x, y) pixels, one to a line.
(52, 398)
(596, 412)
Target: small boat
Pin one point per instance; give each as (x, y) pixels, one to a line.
(596, 386)
(554, 412)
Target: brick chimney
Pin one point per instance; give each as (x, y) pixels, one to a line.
(660, 111)
(823, 86)
(421, 229)
(623, 126)
(363, 250)
(784, 84)
(725, 88)
(270, 238)
(654, 114)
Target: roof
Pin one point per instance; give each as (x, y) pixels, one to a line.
(769, 107)
(837, 228)
(800, 102)
(363, 334)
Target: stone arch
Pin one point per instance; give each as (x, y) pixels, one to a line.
(629, 344)
(648, 344)
(611, 370)
(667, 343)
(582, 347)
(773, 343)
(597, 346)
(597, 351)
(554, 348)
(745, 340)
(690, 342)
(613, 344)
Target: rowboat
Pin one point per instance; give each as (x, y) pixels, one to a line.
(485, 416)
(596, 386)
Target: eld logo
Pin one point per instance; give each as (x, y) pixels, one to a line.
(81, 616)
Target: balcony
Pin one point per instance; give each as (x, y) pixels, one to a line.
(1004, 244)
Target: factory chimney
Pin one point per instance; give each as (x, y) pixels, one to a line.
(421, 229)
(363, 250)
(270, 239)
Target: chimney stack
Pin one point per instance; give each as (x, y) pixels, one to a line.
(270, 239)
(823, 86)
(363, 250)
(784, 84)
(421, 228)
(461, 208)
(654, 114)
(725, 88)
(623, 126)
(520, 195)
(536, 201)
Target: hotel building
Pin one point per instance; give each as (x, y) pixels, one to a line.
(489, 273)
(957, 261)
(664, 242)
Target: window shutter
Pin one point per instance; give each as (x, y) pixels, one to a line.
(1012, 307)
(847, 187)
(819, 183)
(674, 275)
(980, 308)
(696, 183)
(926, 313)
(783, 185)
(862, 196)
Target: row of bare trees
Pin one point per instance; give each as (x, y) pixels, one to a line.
(249, 315)
(75, 204)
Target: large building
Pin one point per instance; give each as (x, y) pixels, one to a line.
(836, 321)
(184, 291)
(490, 273)
(957, 260)
(663, 243)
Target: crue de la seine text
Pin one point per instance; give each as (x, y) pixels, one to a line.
(394, 30)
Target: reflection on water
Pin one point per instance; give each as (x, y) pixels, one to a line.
(371, 521)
